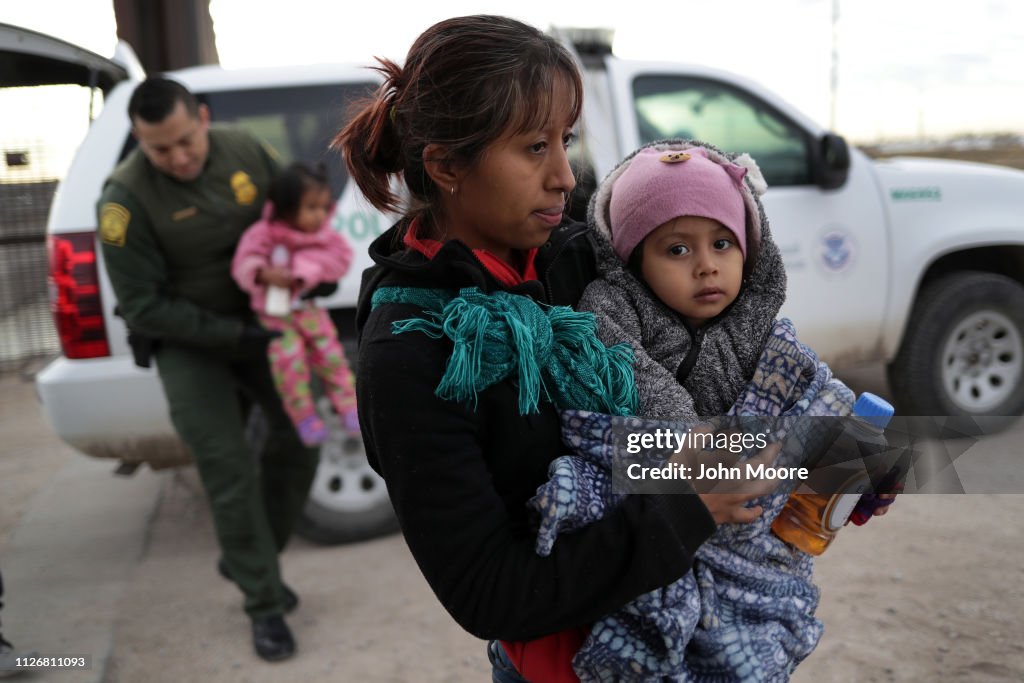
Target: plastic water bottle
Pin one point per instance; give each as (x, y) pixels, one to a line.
(279, 299)
(810, 521)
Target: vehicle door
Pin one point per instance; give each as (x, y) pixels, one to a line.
(49, 92)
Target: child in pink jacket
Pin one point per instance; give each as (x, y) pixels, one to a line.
(294, 248)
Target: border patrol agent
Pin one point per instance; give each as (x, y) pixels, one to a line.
(170, 217)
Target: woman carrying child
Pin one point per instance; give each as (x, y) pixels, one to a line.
(692, 280)
(476, 124)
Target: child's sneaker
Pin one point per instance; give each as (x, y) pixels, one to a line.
(312, 430)
(350, 420)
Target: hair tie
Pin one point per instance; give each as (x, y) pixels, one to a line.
(393, 114)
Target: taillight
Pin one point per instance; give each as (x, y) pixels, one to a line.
(75, 295)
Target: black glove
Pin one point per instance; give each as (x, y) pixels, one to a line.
(256, 338)
(322, 289)
(143, 348)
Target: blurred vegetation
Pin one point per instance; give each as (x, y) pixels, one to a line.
(1004, 150)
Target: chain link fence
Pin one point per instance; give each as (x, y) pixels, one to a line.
(26, 328)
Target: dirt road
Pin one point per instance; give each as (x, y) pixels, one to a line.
(932, 592)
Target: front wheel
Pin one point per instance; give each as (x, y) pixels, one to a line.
(963, 351)
(348, 501)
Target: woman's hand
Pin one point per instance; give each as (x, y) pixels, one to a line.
(731, 508)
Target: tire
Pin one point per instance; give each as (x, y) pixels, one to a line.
(348, 501)
(963, 350)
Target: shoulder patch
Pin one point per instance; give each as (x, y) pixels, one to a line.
(245, 191)
(114, 220)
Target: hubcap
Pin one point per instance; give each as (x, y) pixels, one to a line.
(982, 361)
(344, 481)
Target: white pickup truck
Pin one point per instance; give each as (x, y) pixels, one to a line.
(914, 263)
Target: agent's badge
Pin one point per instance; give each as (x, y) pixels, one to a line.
(245, 191)
(114, 220)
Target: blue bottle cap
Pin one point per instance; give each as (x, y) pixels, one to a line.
(874, 409)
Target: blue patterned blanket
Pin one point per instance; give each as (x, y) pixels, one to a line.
(745, 612)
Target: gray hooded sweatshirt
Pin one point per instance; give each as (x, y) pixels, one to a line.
(720, 358)
(746, 610)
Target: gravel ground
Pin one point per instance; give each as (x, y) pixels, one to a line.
(934, 591)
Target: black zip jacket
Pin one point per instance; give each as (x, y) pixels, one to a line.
(459, 478)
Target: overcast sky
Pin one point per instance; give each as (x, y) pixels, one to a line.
(906, 67)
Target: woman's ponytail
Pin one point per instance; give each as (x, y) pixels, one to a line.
(370, 142)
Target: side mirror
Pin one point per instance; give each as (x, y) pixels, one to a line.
(831, 164)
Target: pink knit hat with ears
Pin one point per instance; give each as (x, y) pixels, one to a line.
(659, 185)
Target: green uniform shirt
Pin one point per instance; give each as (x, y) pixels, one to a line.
(167, 244)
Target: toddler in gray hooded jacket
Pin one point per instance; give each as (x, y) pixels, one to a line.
(691, 278)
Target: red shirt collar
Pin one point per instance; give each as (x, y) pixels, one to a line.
(502, 272)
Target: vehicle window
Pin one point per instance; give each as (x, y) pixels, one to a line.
(299, 122)
(730, 119)
(582, 165)
(43, 126)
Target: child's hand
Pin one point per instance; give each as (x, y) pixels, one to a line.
(882, 510)
(872, 505)
(278, 276)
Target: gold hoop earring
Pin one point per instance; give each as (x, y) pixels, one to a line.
(453, 190)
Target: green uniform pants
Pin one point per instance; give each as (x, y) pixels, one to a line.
(254, 500)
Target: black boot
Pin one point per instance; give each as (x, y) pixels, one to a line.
(272, 638)
(291, 599)
(9, 657)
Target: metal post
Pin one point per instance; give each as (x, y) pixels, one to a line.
(167, 34)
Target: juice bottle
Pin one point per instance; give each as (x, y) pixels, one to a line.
(810, 521)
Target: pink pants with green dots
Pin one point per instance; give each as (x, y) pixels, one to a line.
(309, 342)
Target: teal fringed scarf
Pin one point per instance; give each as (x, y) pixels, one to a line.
(553, 349)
